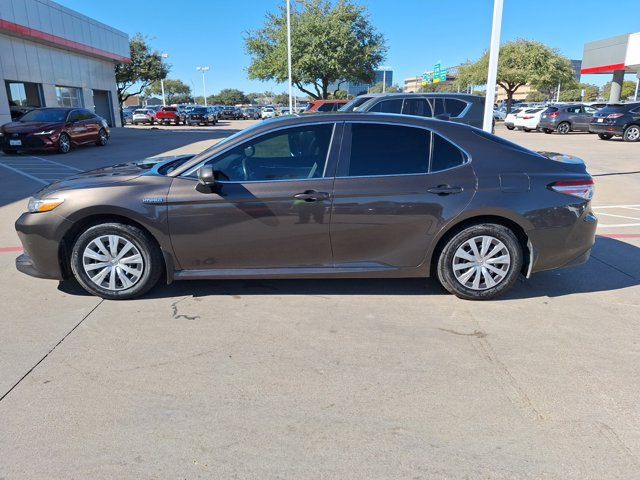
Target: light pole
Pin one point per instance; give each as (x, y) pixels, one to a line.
(492, 74)
(204, 86)
(635, 97)
(289, 56)
(163, 55)
(384, 78)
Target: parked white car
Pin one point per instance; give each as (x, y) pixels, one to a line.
(499, 113)
(143, 115)
(510, 120)
(529, 118)
(268, 112)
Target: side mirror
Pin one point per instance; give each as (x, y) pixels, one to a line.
(443, 116)
(206, 176)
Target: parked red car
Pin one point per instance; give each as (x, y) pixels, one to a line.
(326, 106)
(168, 115)
(56, 129)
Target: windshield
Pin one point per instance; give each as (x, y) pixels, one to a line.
(198, 110)
(45, 115)
(354, 104)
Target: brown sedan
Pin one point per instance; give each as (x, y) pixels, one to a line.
(53, 129)
(319, 196)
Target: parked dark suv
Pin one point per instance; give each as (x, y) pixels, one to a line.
(566, 118)
(319, 196)
(620, 119)
(456, 107)
(231, 113)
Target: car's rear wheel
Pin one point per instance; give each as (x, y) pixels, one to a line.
(116, 261)
(605, 136)
(526, 129)
(563, 128)
(480, 262)
(631, 133)
(547, 130)
(103, 138)
(510, 127)
(64, 143)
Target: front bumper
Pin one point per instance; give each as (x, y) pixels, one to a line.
(605, 128)
(30, 142)
(41, 240)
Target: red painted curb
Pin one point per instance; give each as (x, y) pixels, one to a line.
(10, 249)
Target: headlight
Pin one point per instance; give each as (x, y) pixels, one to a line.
(37, 205)
(45, 132)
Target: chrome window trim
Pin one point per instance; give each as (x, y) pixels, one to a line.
(469, 158)
(202, 162)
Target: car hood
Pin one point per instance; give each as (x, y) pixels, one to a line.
(27, 127)
(100, 177)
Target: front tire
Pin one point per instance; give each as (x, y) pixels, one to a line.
(64, 143)
(116, 261)
(631, 133)
(481, 262)
(103, 138)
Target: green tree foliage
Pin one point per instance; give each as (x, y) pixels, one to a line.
(628, 90)
(145, 68)
(175, 91)
(535, 96)
(281, 99)
(330, 43)
(377, 88)
(340, 95)
(520, 62)
(228, 96)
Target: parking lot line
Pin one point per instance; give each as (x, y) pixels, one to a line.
(57, 163)
(41, 170)
(20, 172)
(618, 216)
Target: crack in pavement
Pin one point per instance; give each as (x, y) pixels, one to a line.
(51, 350)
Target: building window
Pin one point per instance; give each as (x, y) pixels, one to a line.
(69, 97)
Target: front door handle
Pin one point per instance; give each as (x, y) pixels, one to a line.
(442, 190)
(311, 196)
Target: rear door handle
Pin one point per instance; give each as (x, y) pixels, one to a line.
(442, 190)
(311, 196)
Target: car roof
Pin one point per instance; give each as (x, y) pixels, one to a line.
(461, 96)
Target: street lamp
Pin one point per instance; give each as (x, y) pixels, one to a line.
(163, 55)
(384, 78)
(204, 86)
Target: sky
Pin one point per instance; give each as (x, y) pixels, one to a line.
(419, 33)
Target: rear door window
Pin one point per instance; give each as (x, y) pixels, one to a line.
(454, 107)
(388, 106)
(388, 150)
(417, 106)
(326, 107)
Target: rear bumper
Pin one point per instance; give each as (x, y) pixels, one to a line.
(562, 247)
(548, 125)
(604, 128)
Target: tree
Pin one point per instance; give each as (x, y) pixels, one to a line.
(628, 90)
(535, 96)
(331, 43)
(377, 88)
(145, 68)
(341, 95)
(175, 91)
(281, 99)
(521, 62)
(229, 96)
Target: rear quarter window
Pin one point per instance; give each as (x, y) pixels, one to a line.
(445, 154)
(454, 107)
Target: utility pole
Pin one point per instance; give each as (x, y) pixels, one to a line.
(289, 56)
(204, 86)
(492, 74)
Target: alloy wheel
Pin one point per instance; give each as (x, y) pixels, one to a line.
(481, 262)
(103, 137)
(632, 134)
(113, 262)
(564, 128)
(64, 144)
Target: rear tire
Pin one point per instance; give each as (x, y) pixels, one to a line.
(563, 128)
(103, 138)
(605, 136)
(546, 130)
(631, 133)
(89, 262)
(487, 274)
(510, 127)
(526, 129)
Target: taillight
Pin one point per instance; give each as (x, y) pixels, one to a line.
(577, 188)
(527, 117)
(615, 115)
(553, 115)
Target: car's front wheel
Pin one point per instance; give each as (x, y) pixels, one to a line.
(64, 143)
(631, 133)
(103, 138)
(480, 262)
(510, 127)
(116, 261)
(563, 128)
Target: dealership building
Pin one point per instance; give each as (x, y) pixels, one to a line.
(52, 56)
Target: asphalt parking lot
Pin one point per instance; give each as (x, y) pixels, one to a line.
(325, 378)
